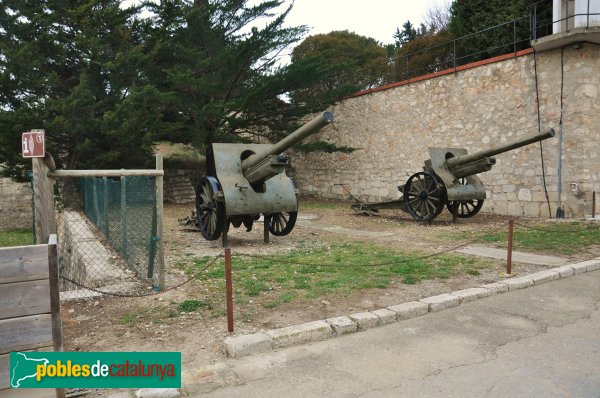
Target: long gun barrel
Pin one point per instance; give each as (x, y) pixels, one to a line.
(458, 161)
(261, 166)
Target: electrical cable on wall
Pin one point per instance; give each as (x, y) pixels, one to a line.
(537, 95)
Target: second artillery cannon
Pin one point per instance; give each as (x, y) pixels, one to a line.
(449, 179)
(244, 181)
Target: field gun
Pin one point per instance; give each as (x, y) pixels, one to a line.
(449, 178)
(246, 180)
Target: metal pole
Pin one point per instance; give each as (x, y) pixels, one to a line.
(266, 222)
(594, 204)
(124, 248)
(454, 45)
(105, 209)
(559, 213)
(510, 246)
(515, 36)
(587, 25)
(229, 290)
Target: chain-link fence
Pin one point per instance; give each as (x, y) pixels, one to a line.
(108, 235)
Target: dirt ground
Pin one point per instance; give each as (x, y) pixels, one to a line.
(140, 324)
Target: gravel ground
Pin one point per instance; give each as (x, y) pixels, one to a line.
(140, 324)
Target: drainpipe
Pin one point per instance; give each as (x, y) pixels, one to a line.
(559, 211)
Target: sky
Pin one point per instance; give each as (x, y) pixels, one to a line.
(378, 19)
(372, 18)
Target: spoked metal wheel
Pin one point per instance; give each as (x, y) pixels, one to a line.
(424, 196)
(211, 212)
(466, 208)
(281, 224)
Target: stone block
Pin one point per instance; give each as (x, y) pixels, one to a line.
(579, 268)
(246, 344)
(496, 288)
(593, 264)
(121, 394)
(409, 310)
(365, 320)
(543, 276)
(385, 316)
(342, 325)
(472, 294)
(158, 393)
(299, 334)
(441, 302)
(517, 283)
(564, 271)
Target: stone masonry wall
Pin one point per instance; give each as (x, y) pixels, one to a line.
(473, 108)
(15, 205)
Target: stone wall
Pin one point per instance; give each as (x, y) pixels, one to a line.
(15, 205)
(472, 108)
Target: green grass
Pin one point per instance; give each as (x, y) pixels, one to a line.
(310, 204)
(338, 269)
(17, 237)
(547, 238)
(128, 319)
(193, 305)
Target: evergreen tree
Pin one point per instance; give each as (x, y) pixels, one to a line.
(213, 74)
(106, 84)
(354, 63)
(471, 16)
(64, 67)
(406, 35)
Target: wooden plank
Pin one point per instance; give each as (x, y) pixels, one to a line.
(23, 263)
(24, 298)
(104, 173)
(25, 333)
(28, 393)
(5, 363)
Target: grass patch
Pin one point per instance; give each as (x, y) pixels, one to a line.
(546, 238)
(310, 204)
(313, 272)
(128, 319)
(16, 237)
(192, 305)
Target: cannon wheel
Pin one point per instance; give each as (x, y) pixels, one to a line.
(211, 212)
(424, 196)
(466, 208)
(281, 224)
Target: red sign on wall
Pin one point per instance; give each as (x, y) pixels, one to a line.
(33, 144)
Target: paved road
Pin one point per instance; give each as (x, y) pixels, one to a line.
(538, 342)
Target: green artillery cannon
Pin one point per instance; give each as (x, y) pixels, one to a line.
(245, 180)
(449, 178)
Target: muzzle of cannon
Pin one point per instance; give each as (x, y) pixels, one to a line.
(244, 181)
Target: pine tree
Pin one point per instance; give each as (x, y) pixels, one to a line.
(106, 83)
(64, 67)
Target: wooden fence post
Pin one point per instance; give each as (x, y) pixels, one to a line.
(43, 199)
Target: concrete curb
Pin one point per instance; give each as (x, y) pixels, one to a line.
(238, 346)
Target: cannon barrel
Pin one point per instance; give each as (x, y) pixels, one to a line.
(457, 161)
(301, 133)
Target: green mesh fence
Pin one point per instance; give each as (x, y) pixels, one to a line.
(124, 211)
(107, 233)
